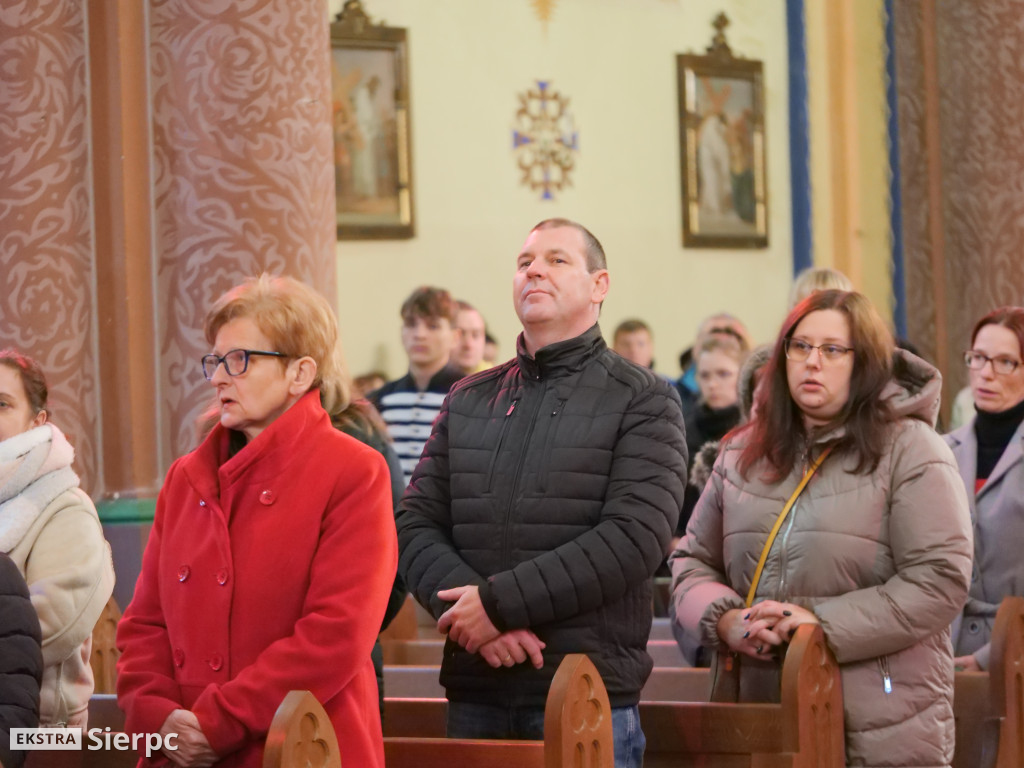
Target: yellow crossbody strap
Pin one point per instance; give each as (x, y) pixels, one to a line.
(781, 519)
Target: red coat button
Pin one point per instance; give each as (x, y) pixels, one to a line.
(267, 497)
(184, 572)
(216, 662)
(179, 657)
(222, 577)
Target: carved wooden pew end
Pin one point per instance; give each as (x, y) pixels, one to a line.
(301, 734)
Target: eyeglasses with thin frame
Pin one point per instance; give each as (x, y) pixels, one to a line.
(236, 361)
(976, 361)
(799, 350)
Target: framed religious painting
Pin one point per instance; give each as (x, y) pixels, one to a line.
(722, 147)
(372, 152)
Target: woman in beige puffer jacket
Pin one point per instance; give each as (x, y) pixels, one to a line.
(50, 529)
(877, 549)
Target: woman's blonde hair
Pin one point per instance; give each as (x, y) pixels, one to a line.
(728, 343)
(298, 322)
(817, 279)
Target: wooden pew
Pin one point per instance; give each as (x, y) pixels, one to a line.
(405, 625)
(103, 658)
(989, 706)
(577, 721)
(803, 731)
(422, 652)
(577, 731)
(301, 735)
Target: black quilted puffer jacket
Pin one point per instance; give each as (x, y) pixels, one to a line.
(554, 483)
(21, 660)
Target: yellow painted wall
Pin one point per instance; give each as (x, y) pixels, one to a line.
(616, 60)
(849, 144)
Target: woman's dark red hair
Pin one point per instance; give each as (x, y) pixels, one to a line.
(1011, 318)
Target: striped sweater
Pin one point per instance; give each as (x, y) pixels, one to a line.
(409, 413)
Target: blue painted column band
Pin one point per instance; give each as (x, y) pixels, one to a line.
(799, 143)
(899, 285)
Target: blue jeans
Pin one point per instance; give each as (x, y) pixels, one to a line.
(484, 721)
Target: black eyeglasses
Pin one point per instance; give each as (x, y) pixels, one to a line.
(976, 361)
(236, 361)
(799, 350)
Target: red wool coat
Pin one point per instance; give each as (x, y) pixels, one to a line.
(266, 572)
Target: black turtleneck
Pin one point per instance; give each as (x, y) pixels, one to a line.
(994, 431)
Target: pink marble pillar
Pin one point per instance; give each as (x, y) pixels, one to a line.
(242, 169)
(47, 309)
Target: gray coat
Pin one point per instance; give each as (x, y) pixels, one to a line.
(883, 560)
(997, 513)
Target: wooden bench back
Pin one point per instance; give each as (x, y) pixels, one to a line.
(103, 659)
(805, 730)
(405, 625)
(577, 730)
(989, 706)
(1007, 673)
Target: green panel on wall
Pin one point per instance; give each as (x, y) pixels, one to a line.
(126, 510)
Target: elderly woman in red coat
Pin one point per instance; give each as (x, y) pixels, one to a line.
(272, 553)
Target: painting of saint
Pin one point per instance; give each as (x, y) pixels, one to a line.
(365, 136)
(725, 149)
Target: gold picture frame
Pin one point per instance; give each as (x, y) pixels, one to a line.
(370, 110)
(722, 147)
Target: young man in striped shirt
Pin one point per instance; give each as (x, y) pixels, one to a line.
(410, 404)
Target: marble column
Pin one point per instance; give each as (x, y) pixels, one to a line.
(243, 175)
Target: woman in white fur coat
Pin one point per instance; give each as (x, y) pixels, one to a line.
(50, 529)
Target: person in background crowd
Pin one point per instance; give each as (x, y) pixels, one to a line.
(989, 450)
(272, 552)
(876, 550)
(490, 349)
(410, 404)
(817, 279)
(359, 419)
(367, 382)
(717, 410)
(721, 323)
(545, 500)
(707, 454)
(962, 410)
(50, 529)
(468, 352)
(21, 661)
(635, 342)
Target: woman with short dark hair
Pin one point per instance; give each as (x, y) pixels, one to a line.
(876, 548)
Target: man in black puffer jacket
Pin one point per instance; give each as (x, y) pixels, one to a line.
(545, 499)
(21, 661)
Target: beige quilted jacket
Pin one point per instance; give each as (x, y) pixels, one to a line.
(883, 560)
